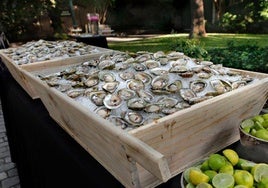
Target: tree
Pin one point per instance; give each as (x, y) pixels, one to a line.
(198, 20)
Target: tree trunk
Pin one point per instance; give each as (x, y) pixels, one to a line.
(198, 21)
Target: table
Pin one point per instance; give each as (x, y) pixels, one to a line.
(46, 156)
(95, 40)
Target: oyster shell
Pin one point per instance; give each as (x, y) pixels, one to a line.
(150, 64)
(133, 118)
(112, 101)
(174, 86)
(106, 64)
(186, 94)
(135, 84)
(73, 93)
(145, 95)
(144, 77)
(159, 82)
(139, 66)
(158, 71)
(103, 112)
(136, 103)
(153, 108)
(118, 121)
(198, 85)
(97, 97)
(167, 102)
(126, 75)
(126, 94)
(110, 86)
(106, 76)
(91, 81)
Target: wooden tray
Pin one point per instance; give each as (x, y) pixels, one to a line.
(153, 153)
(15, 69)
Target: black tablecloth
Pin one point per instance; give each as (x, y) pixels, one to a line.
(97, 40)
(46, 156)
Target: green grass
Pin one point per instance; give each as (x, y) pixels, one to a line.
(167, 42)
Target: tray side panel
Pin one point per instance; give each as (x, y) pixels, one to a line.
(188, 136)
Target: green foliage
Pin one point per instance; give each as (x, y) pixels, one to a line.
(247, 57)
(191, 47)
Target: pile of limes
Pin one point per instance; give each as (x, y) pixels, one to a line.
(256, 126)
(227, 170)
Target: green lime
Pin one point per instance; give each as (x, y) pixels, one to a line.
(262, 134)
(223, 180)
(258, 126)
(240, 186)
(228, 168)
(244, 164)
(187, 172)
(243, 177)
(204, 185)
(231, 155)
(260, 171)
(258, 118)
(216, 161)
(247, 129)
(265, 124)
(190, 185)
(253, 132)
(263, 183)
(265, 116)
(210, 174)
(196, 177)
(205, 166)
(247, 123)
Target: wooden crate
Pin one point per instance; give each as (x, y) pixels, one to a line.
(153, 153)
(15, 69)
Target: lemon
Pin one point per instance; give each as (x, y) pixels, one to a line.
(231, 155)
(245, 164)
(262, 133)
(204, 185)
(228, 168)
(223, 180)
(260, 171)
(196, 177)
(187, 172)
(263, 183)
(243, 177)
(216, 161)
(210, 174)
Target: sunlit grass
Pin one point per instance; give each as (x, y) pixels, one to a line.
(168, 42)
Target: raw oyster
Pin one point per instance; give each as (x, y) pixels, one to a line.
(106, 64)
(187, 94)
(159, 82)
(153, 108)
(97, 97)
(135, 84)
(198, 85)
(106, 76)
(145, 95)
(136, 103)
(144, 77)
(174, 86)
(150, 64)
(110, 86)
(103, 112)
(133, 118)
(126, 75)
(112, 101)
(73, 93)
(126, 94)
(167, 102)
(91, 81)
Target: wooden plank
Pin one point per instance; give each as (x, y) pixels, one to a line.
(96, 135)
(188, 136)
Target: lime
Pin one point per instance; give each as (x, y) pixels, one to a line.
(245, 164)
(231, 155)
(258, 126)
(187, 172)
(196, 177)
(263, 183)
(262, 134)
(247, 129)
(190, 185)
(240, 186)
(210, 174)
(223, 180)
(265, 116)
(260, 171)
(216, 161)
(204, 185)
(265, 124)
(228, 168)
(243, 177)
(258, 118)
(247, 123)
(205, 166)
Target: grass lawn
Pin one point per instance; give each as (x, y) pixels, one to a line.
(168, 42)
